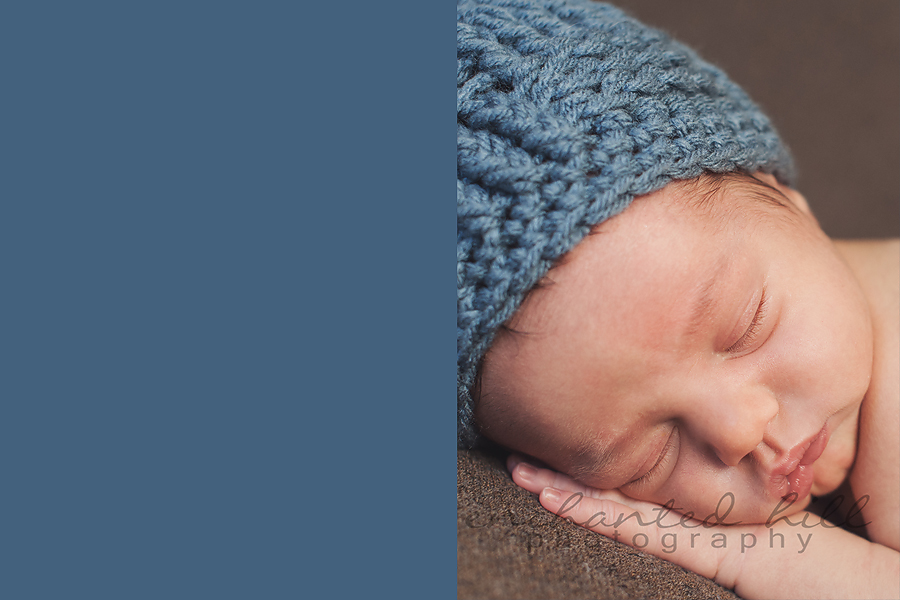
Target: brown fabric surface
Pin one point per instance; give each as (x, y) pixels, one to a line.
(509, 546)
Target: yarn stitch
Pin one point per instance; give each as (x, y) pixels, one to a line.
(567, 110)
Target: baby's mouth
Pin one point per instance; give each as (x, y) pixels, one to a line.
(794, 475)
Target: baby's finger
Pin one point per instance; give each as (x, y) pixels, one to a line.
(535, 479)
(655, 531)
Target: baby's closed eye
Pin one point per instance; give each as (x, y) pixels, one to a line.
(660, 470)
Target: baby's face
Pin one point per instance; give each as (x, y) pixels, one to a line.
(684, 353)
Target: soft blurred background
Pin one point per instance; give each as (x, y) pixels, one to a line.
(828, 74)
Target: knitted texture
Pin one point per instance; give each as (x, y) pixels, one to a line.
(567, 110)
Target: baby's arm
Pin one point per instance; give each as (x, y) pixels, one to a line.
(833, 563)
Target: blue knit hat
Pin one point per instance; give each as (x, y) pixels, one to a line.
(567, 110)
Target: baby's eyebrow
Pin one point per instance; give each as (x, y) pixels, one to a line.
(707, 301)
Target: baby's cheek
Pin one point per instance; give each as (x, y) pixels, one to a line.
(833, 467)
(828, 479)
(657, 497)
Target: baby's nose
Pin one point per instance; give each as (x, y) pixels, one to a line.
(738, 424)
(734, 449)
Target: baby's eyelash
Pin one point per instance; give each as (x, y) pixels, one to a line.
(662, 462)
(750, 335)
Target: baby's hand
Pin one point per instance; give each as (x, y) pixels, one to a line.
(713, 551)
(838, 565)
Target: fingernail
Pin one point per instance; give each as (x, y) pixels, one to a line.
(552, 494)
(527, 472)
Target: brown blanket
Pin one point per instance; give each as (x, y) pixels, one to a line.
(509, 546)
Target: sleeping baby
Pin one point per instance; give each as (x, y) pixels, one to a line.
(650, 317)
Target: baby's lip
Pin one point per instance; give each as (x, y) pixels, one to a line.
(794, 473)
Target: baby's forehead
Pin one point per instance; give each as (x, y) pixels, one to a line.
(724, 197)
(713, 202)
(614, 286)
(669, 245)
